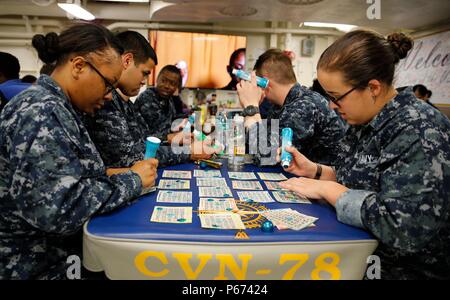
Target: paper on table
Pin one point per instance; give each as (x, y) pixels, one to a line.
(274, 186)
(218, 191)
(247, 185)
(221, 221)
(272, 176)
(262, 197)
(174, 197)
(289, 197)
(177, 184)
(207, 173)
(289, 218)
(212, 205)
(177, 174)
(242, 175)
(172, 214)
(211, 182)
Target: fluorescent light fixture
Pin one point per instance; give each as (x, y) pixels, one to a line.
(341, 27)
(77, 11)
(156, 5)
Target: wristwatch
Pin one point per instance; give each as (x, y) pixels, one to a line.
(250, 110)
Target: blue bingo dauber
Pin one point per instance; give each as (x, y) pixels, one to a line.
(286, 141)
(260, 81)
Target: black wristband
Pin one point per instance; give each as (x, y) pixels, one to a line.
(319, 171)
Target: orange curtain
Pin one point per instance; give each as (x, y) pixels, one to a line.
(206, 55)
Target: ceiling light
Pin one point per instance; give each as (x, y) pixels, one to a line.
(43, 3)
(157, 5)
(238, 11)
(341, 27)
(77, 11)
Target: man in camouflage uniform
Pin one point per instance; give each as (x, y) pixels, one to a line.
(316, 128)
(398, 170)
(156, 104)
(118, 129)
(119, 132)
(52, 180)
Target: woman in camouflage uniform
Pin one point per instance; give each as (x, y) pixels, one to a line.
(52, 178)
(393, 175)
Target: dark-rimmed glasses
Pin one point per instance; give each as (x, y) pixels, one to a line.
(336, 100)
(109, 86)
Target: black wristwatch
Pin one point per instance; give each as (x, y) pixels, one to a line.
(318, 172)
(250, 110)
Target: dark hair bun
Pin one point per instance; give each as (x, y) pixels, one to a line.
(401, 44)
(47, 47)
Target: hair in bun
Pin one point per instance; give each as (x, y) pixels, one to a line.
(79, 39)
(363, 55)
(47, 47)
(401, 44)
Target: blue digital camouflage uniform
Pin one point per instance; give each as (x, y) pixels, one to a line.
(398, 170)
(52, 180)
(119, 131)
(316, 128)
(158, 113)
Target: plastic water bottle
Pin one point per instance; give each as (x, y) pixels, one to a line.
(222, 131)
(187, 126)
(286, 141)
(198, 135)
(238, 144)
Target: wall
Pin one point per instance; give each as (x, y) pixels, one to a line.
(19, 44)
(29, 61)
(304, 67)
(257, 43)
(428, 64)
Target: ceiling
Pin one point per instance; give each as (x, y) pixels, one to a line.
(408, 15)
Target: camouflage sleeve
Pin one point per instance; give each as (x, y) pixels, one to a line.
(110, 134)
(147, 105)
(53, 192)
(299, 117)
(410, 207)
(167, 157)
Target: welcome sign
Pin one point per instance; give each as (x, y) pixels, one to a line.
(428, 63)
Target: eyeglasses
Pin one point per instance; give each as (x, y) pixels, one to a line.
(109, 86)
(336, 100)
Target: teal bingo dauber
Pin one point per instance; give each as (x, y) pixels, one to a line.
(260, 81)
(151, 147)
(286, 141)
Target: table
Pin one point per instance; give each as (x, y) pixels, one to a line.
(126, 245)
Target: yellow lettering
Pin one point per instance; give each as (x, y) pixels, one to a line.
(183, 260)
(324, 266)
(301, 258)
(140, 259)
(228, 260)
